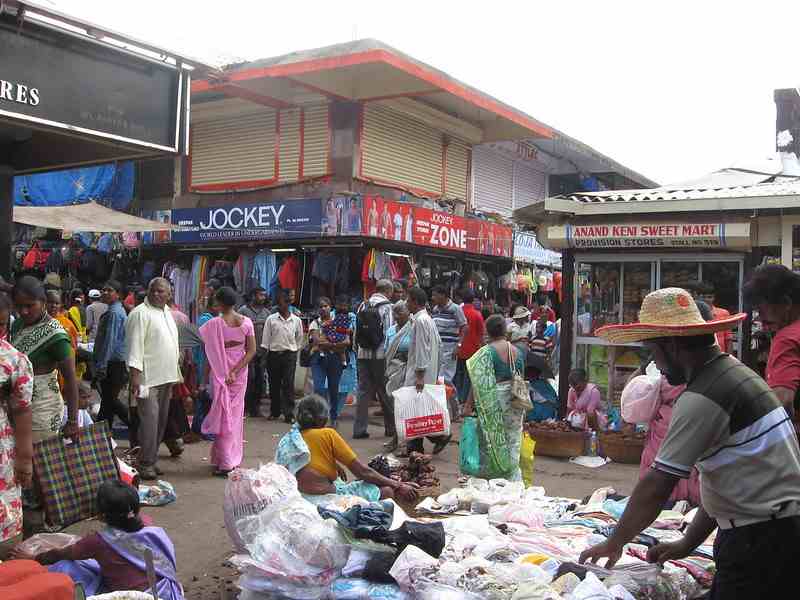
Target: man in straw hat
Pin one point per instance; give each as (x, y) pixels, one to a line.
(729, 424)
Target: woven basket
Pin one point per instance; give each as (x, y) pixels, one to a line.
(620, 449)
(559, 444)
(432, 491)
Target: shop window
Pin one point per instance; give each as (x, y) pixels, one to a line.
(609, 367)
(637, 283)
(724, 277)
(679, 274)
(598, 297)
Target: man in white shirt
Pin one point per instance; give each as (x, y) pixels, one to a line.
(371, 365)
(93, 313)
(153, 357)
(282, 338)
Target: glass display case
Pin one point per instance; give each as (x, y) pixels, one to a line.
(610, 289)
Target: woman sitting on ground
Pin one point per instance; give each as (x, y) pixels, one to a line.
(585, 403)
(111, 560)
(328, 452)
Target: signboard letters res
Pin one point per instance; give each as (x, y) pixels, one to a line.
(650, 235)
(284, 219)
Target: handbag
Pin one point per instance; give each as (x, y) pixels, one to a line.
(69, 473)
(520, 396)
(469, 456)
(421, 414)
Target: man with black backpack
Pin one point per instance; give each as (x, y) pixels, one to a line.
(373, 320)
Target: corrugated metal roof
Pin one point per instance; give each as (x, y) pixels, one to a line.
(726, 185)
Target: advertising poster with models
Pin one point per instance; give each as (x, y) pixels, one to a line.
(404, 222)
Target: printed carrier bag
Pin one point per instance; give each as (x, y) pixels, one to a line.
(421, 414)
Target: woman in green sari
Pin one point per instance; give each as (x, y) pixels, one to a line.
(499, 423)
(49, 348)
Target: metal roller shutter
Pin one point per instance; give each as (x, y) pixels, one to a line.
(289, 146)
(493, 177)
(234, 149)
(400, 150)
(529, 185)
(316, 141)
(457, 164)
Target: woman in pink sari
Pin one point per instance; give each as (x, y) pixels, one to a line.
(230, 344)
(585, 406)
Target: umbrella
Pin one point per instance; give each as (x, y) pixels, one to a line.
(534, 361)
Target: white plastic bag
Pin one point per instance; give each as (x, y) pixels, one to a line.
(640, 396)
(43, 542)
(290, 538)
(421, 414)
(249, 491)
(591, 588)
(411, 559)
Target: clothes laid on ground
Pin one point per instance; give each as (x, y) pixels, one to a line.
(362, 521)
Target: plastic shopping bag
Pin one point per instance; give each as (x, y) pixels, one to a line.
(640, 396)
(526, 452)
(469, 448)
(421, 414)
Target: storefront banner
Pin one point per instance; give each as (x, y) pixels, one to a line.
(404, 222)
(248, 222)
(651, 235)
(62, 80)
(527, 249)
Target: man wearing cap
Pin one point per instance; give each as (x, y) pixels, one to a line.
(731, 426)
(93, 313)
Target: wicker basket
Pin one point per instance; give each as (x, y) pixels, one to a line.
(560, 444)
(433, 491)
(626, 450)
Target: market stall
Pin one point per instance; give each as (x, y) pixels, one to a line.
(493, 540)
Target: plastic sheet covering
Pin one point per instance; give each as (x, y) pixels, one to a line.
(44, 542)
(85, 217)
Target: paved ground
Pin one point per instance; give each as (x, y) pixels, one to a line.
(195, 521)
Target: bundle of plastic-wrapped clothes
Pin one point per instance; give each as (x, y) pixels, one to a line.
(339, 548)
(506, 542)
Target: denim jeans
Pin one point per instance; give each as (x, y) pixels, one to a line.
(326, 371)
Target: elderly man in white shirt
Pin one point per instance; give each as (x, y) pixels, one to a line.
(153, 358)
(282, 338)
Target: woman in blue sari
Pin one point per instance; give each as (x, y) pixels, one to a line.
(112, 560)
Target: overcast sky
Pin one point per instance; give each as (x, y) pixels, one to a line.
(672, 89)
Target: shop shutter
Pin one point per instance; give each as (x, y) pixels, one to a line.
(400, 150)
(234, 149)
(289, 146)
(316, 141)
(457, 164)
(529, 185)
(493, 176)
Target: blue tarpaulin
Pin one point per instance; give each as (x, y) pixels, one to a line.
(110, 185)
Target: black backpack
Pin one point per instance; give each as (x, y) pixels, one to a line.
(369, 326)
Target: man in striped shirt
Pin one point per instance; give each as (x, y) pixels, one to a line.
(452, 326)
(730, 424)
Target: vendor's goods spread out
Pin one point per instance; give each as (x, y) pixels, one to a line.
(498, 541)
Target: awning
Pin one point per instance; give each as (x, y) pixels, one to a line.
(85, 217)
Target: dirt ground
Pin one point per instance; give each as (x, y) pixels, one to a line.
(195, 522)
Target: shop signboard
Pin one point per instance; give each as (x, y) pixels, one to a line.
(51, 78)
(280, 219)
(527, 249)
(651, 235)
(404, 222)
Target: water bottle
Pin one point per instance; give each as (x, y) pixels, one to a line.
(593, 444)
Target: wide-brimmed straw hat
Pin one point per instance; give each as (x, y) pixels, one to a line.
(520, 313)
(669, 312)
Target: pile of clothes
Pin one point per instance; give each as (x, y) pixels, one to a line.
(499, 541)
